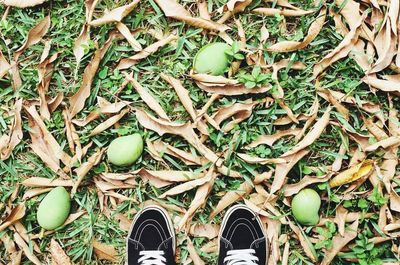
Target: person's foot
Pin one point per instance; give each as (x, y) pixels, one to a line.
(242, 238)
(151, 239)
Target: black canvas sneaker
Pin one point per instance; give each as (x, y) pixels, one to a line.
(151, 239)
(242, 239)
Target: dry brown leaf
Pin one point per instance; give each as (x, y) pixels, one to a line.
(294, 188)
(312, 135)
(283, 12)
(45, 182)
(232, 90)
(34, 36)
(17, 213)
(231, 197)
(45, 71)
(326, 94)
(128, 62)
(188, 158)
(350, 10)
(71, 218)
(187, 186)
(340, 242)
(355, 172)
(304, 242)
(193, 253)
(203, 9)
(72, 136)
(209, 231)
(124, 30)
(385, 43)
(108, 123)
(174, 10)
(162, 178)
(58, 256)
(4, 65)
(233, 7)
(341, 51)
(10, 141)
(104, 252)
(258, 160)
(35, 192)
(77, 101)
(23, 4)
(182, 93)
(340, 219)
(238, 111)
(184, 130)
(313, 31)
(392, 141)
(148, 98)
(394, 202)
(283, 169)
(44, 144)
(115, 15)
(384, 85)
(199, 199)
(26, 249)
(270, 139)
(80, 43)
(86, 167)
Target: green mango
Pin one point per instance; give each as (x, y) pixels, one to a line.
(212, 59)
(54, 209)
(125, 150)
(305, 207)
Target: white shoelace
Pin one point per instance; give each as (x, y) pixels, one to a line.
(152, 257)
(241, 257)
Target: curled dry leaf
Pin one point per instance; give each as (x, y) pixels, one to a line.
(392, 141)
(209, 231)
(312, 135)
(45, 182)
(124, 30)
(148, 98)
(182, 93)
(80, 43)
(128, 62)
(184, 130)
(339, 242)
(193, 253)
(4, 65)
(199, 199)
(108, 123)
(283, 169)
(34, 35)
(340, 219)
(15, 215)
(35, 192)
(231, 197)
(187, 186)
(86, 167)
(232, 7)
(115, 15)
(26, 249)
(283, 12)
(44, 144)
(381, 84)
(10, 141)
(355, 172)
(304, 242)
(294, 188)
(313, 31)
(341, 51)
(174, 10)
(23, 4)
(104, 252)
(58, 256)
(77, 101)
(232, 90)
(258, 160)
(162, 178)
(45, 71)
(385, 43)
(270, 139)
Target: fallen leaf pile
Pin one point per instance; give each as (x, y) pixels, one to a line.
(210, 141)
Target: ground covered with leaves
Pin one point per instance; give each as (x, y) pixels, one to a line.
(311, 100)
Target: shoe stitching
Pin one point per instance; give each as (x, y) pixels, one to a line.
(236, 224)
(148, 223)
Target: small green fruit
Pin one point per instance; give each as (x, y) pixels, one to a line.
(212, 59)
(125, 150)
(54, 209)
(305, 207)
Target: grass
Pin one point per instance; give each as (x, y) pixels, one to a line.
(67, 18)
